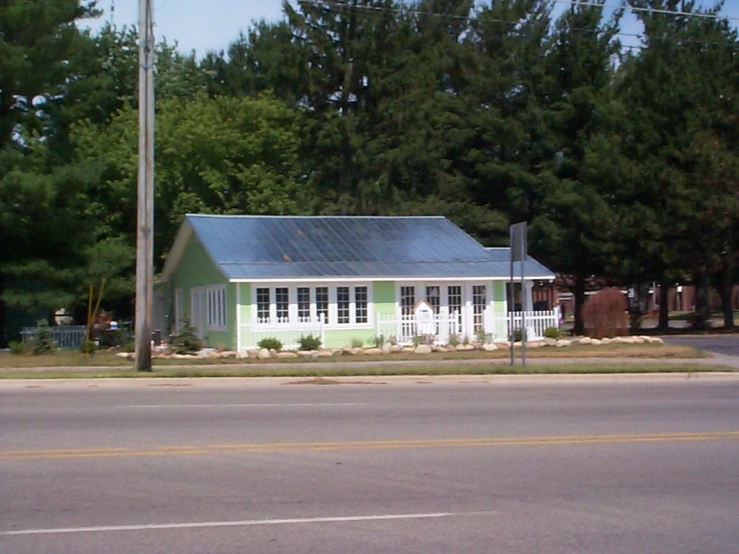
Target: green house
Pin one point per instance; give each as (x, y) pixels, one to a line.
(239, 279)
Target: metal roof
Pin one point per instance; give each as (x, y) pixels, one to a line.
(297, 247)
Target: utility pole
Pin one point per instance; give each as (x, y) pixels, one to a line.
(145, 209)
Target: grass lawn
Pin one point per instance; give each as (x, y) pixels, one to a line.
(349, 370)
(72, 359)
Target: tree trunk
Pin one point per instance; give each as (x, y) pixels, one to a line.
(664, 308)
(726, 288)
(579, 301)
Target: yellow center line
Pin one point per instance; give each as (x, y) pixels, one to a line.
(261, 448)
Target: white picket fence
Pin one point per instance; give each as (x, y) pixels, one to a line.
(288, 334)
(65, 336)
(535, 322)
(405, 328)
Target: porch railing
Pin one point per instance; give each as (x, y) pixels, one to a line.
(65, 336)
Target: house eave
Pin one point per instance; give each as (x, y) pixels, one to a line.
(543, 277)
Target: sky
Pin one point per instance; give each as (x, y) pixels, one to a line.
(205, 25)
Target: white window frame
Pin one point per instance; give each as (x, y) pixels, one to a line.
(332, 304)
(217, 310)
(179, 309)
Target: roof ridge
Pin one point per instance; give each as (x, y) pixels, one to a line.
(259, 216)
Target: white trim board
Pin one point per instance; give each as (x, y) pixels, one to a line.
(396, 279)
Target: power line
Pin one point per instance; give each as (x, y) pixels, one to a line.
(469, 17)
(647, 10)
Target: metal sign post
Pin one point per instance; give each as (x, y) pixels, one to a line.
(518, 247)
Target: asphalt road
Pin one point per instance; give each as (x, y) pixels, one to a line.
(436, 468)
(720, 344)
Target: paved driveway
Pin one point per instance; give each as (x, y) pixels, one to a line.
(720, 344)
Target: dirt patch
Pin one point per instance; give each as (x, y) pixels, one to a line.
(324, 381)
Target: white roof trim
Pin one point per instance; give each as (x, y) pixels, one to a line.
(178, 248)
(399, 279)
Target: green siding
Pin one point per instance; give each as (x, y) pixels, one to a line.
(499, 307)
(383, 298)
(196, 269)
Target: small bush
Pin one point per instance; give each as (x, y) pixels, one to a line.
(187, 342)
(466, 340)
(43, 343)
(480, 336)
(552, 333)
(130, 346)
(270, 343)
(88, 347)
(635, 321)
(453, 340)
(17, 347)
(308, 343)
(379, 341)
(518, 335)
(357, 343)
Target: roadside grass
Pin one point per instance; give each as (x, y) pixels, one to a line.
(377, 370)
(74, 359)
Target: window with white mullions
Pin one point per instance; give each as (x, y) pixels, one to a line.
(343, 312)
(360, 304)
(407, 303)
(262, 305)
(454, 302)
(282, 304)
(479, 303)
(322, 303)
(303, 304)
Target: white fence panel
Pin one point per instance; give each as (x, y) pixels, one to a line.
(536, 322)
(288, 334)
(405, 328)
(65, 336)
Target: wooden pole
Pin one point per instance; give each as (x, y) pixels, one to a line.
(145, 209)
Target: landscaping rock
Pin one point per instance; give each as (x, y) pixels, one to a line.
(253, 353)
(387, 348)
(563, 342)
(517, 344)
(228, 354)
(213, 355)
(657, 340)
(303, 353)
(124, 355)
(325, 353)
(535, 344)
(638, 340)
(264, 354)
(184, 357)
(408, 349)
(243, 355)
(423, 349)
(273, 352)
(586, 340)
(550, 342)
(395, 348)
(595, 342)
(373, 351)
(464, 347)
(489, 347)
(337, 352)
(502, 344)
(287, 355)
(451, 348)
(357, 351)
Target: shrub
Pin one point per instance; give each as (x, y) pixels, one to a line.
(453, 340)
(308, 343)
(466, 340)
(357, 343)
(552, 333)
(187, 342)
(635, 321)
(480, 335)
(43, 343)
(270, 343)
(379, 341)
(88, 347)
(17, 347)
(130, 346)
(518, 335)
